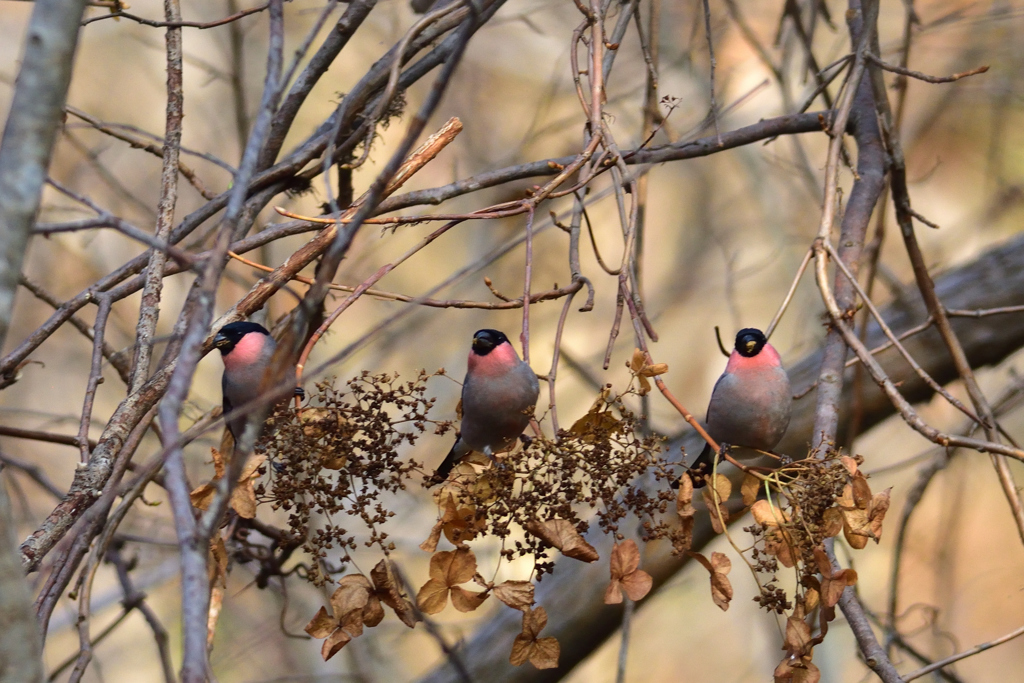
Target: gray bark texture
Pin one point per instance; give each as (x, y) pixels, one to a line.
(28, 138)
(573, 596)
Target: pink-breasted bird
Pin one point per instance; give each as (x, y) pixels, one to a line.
(246, 349)
(751, 403)
(498, 397)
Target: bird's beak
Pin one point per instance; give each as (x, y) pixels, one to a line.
(476, 342)
(751, 345)
(220, 340)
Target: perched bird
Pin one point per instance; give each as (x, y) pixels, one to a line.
(246, 349)
(498, 398)
(751, 403)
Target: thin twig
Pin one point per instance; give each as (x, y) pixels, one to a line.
(903, 71)
(711, 55)
(963, 655)
(95, 376)
(789, 296)
(177, 23)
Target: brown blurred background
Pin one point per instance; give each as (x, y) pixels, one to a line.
(724, 237)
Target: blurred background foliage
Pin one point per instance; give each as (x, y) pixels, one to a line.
(724, 236)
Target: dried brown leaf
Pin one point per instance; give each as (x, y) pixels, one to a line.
(833, 583)
(430, 545)
(218, 464)
(453, 566)
(683, 539)
(613, 593)
(243, 500)
(625, 558)
(352, 623)
(684, 497)
(856, 528)
(638, 361)
(464, 525)
(202, 496)
(373, 613)
(322, 624)
(777, 540)
(652, 370)
(823, 563)
(797, 670)
(832, 588)
(218, 565)
(637, 584)
(243, 497)
(798, 636)
(749, 489)
(516, 594)
(723, 487)
(334, 643)
(850, 464)
(721, 588)
(249, 471)
(467, 601)
(543, 653)
(718, 566)
(876, 513)
(389, 590)
(625, 575)
(534, 621)
(433, 596)
(349, 601)
(216, 605)
(767, 515)
(561, 534)
(782, 549)
(597, 425)
(845, 499)
(832, 522)
(448, 513)
(861, 491)
(448, 568)
(811, 599)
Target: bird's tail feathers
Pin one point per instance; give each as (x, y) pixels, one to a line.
(700, 467)
(448, 464)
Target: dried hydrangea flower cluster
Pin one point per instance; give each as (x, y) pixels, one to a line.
(341, 458)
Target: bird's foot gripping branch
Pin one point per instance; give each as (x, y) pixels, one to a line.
(336, 467)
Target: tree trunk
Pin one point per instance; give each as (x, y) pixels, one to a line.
(25, 149)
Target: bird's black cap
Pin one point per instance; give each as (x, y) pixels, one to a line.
(231, 333)
(485, 341)
(750, 341)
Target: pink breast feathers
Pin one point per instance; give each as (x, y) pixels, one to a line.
(500, 360)
(768, 358)
(246, 352)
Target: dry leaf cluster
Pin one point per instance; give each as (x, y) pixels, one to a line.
(357, 603)
(805, 503)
